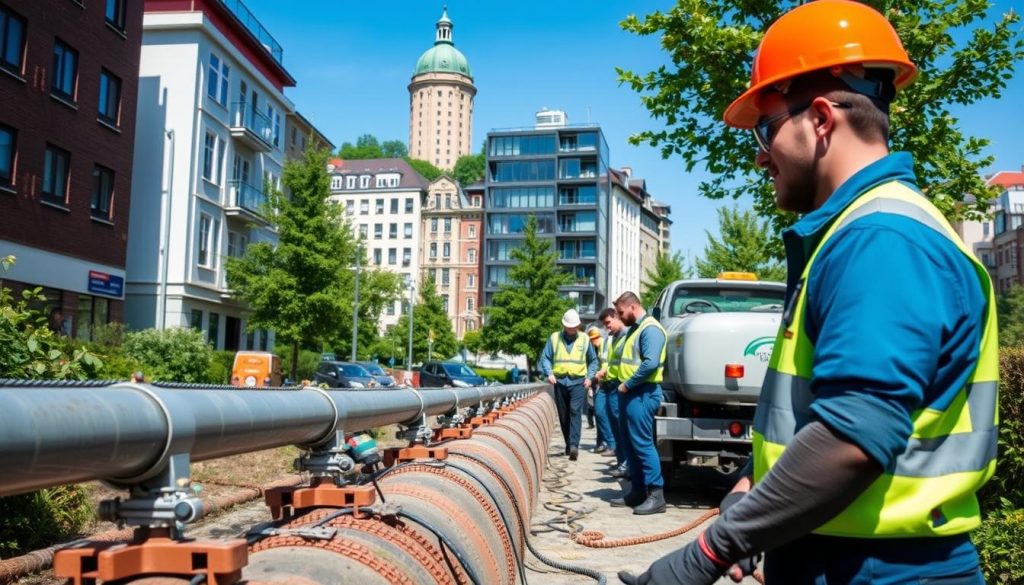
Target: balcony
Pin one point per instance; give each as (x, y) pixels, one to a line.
(252, 24)
(252, 128)
(246, 202)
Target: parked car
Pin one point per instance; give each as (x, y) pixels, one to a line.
(378, 374)
(256, 369)
(344, 375)
(441, 374)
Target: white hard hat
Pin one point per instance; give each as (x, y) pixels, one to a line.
(571, 318)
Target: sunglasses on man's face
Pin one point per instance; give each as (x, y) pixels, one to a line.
(764, 131)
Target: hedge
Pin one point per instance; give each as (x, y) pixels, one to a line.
(494, 374)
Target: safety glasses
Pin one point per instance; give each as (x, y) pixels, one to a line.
(764, 131)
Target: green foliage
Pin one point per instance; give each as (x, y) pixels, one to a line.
(367, 146)
(998, 540)
(667, 269)
(473, 341)
(493, 374)
(221, 363)
(429, 171)
(710, 43)
(308, 362)
(428, 315)
(527, 310)
(1008, 482)
(170, 355)
(469, 168)
(1010, 310)
(746, 245)
(39, 519)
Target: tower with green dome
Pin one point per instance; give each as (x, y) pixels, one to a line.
(441, 101)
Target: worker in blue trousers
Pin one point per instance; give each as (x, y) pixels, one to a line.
(609, 378)
(569, 363)
(641, 368)
(877, 419)
(599, 343)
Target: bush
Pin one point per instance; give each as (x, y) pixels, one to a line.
(998, 540)
(39, 519)
(308, 362)
(1008, 482)
(170, 355)
(220, 367)
(489, 374)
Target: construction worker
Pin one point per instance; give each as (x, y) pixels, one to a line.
(569, 362)
(641, 367)
(877, 419)
(608, 377)
(598, 342)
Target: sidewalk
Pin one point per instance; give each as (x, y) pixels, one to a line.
(587, 478)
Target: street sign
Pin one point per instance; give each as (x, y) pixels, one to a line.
(102, 283)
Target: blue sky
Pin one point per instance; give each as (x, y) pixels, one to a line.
(353, 61)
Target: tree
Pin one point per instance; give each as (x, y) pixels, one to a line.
(667, 269)
(429, 171)
(469, 168)
(710, 43)
(366, 146)
(527, 310)
(429, 317)
(302, 288)
(1010, 310)
(746, 246)
(394, 149)
(473, 341)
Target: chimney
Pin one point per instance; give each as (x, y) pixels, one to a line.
(628, 171)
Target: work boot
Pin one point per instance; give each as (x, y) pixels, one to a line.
(620, 471)
(567, 448)
(600, 449)
(608, 452)
(574, 454)
(632, 500)
(654, 504)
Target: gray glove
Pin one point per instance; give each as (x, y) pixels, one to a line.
(690, 565)
(743, 567)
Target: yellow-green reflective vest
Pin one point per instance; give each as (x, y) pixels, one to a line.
(631, 352)
(569, 361)
(615, 347)
(951, 452)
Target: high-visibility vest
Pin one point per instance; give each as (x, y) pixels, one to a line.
(615, 347)
(569, 361)
(631, 352)
(951, 451)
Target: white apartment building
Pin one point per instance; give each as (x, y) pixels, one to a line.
(209, 139)
(382, 200)
(624, 269)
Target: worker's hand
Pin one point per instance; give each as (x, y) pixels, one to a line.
(600, 375)
(587, 383)
(686, 566)
(622, 388)
(744, 567)
(551, 379)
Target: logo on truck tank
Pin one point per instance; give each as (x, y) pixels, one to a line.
(761, 347)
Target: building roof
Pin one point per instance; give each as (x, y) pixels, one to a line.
(621, 179)
(1006, 179)
(373, 166)
(443, 57)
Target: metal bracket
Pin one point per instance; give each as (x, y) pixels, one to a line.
(167, 500)
(286, 501)
(328, 459)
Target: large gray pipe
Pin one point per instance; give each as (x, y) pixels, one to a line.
(58, 435)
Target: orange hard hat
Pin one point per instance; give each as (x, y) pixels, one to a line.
(821, 35)
(593, 333)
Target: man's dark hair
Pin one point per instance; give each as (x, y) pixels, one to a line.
(609, 312)
(868, 116)
(627, 297)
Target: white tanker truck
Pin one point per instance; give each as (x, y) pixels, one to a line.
(721, 332)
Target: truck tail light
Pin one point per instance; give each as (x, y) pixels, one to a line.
(733, 370)
(736, 429)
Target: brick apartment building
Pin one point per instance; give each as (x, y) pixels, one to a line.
(68, 82)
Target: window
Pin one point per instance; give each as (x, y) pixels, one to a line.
(56, 167)
(447, 250)
(12, 40)
(214, 333)
(433, 225)
(392, 256)
(447, 225)
(92, 311)
(408, 205)
(444, 302)
(470, 303)
(114, 13)
(472, 231)
(209, 155)
(110, 97)
(408, 231)
(380, 206)
(433, 249)
(350, 182)
(8, 139)
(336, 183)
(102, 192)
(445, 274)
(350, 207)
(406, 256)
(393, 230)
(378, 231)
(471, 255)
(390, 309)
(470, 325)
(196, 320)
(217, 82)
(363, 230)
(364, 207)
(65, 70)
(364, 181)
(470, 280)
(205, 233)
(377, 256)
(394, 205)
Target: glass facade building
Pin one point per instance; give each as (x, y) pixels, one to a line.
(559, 175)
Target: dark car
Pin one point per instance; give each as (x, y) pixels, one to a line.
(344, 375)
(441, 374)
(378, 374)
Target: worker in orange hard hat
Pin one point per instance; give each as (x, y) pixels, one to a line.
(876, 423)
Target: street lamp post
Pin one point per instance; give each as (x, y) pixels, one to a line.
(412, 288)
(355, 309)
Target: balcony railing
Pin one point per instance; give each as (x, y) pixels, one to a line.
(252, 24)
(252, 124)
(248, 197)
